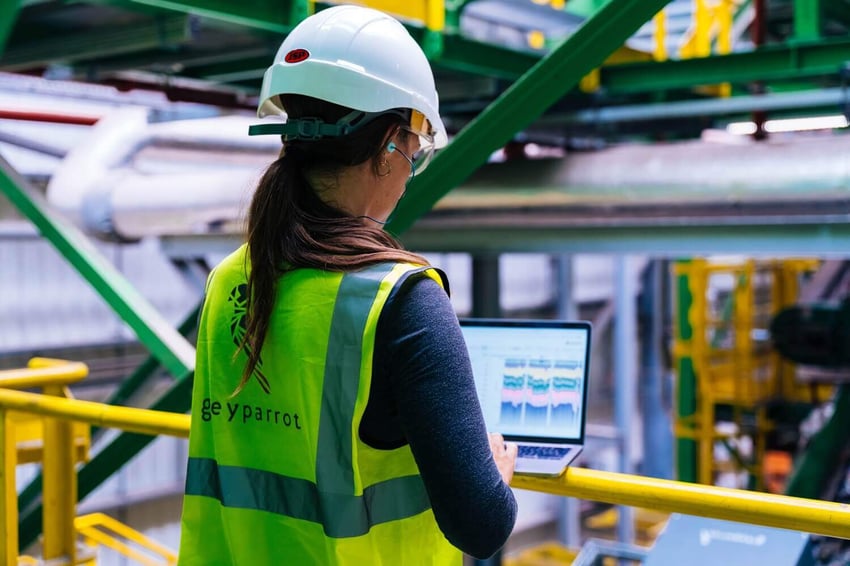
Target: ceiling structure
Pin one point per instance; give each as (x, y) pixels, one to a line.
(216, 51)
(572, 75)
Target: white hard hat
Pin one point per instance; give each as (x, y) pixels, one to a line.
(355, 57)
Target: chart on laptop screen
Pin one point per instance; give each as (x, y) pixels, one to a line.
(530, 381)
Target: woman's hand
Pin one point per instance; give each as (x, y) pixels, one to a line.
(504, 453)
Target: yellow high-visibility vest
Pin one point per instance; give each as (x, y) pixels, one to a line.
(278, 474)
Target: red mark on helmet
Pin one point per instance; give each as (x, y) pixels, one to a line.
(296, 56)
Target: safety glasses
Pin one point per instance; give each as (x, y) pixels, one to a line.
(421, 127)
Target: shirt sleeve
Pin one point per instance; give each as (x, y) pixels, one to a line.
(427, 365)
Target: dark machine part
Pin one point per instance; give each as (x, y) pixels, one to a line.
(827, 551)
(817, 334)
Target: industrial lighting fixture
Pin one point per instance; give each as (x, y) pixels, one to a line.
(790, 125)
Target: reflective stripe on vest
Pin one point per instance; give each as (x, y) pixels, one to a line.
(346, 516)
(340, 512)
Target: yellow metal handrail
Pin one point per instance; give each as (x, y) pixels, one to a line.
(43, 372)
(781, 511)
(819, 517)
(143, 421)
(95, 526)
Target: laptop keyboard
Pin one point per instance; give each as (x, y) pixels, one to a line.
(542, 452)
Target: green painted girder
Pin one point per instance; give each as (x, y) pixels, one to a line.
(465, 55)
(779, 62)
(456, 54)
(775, 62)
(166, 30)
(8, 16)
(585, 8)
(278, 16)
(815, 467)
(156, 333)
(807, 18)
(547, 81)
(686, 386)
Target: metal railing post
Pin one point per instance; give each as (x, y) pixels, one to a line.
(60, 486)
(8, 492)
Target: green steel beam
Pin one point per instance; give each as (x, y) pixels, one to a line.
(8, 17)
(277, 16)
(686, 384)
(163, 341)
(162, 31)
(549, 79)
(456, 54)
(807, 15)
(813, 470)
(584, 8)
(147, 368)
(460, 54)
(780, 62)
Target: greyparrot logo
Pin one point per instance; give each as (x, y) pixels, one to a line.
(239, 325)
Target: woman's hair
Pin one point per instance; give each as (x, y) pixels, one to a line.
(290, 227)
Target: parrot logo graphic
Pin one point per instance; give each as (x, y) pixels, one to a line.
(239, 325)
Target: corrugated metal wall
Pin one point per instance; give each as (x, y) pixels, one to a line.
(45, 303)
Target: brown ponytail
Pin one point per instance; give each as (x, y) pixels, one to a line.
(290, 227)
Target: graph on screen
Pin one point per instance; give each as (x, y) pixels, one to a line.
(530, 381)
(540, 393)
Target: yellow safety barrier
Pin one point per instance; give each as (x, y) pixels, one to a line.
(819, 517)
(142, 421)
(58, 436)
(95, 528)
(43, 372)
(809, 515)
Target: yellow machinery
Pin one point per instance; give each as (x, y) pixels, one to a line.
(729, 306)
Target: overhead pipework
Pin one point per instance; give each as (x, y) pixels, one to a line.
(133, 179)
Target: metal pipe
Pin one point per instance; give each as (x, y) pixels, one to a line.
(657, 439)
(759, 22)
(798, 514)
(625, 356)
(142, 421)
(42, 372)
(486, 286)
(569, 512)
(51, 117)
(829, 97)
(759, 33)
(32, 145)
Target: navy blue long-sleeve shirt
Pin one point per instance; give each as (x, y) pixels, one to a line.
(423, 394)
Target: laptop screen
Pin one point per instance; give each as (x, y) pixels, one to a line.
(531, 376)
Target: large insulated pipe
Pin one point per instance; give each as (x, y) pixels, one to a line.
(793, 166)
(105, 186)
(128, 180)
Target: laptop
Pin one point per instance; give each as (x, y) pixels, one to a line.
(531, 379)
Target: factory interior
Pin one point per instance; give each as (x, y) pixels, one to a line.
(675, 172)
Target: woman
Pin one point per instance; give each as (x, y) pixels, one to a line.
(334, 415)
